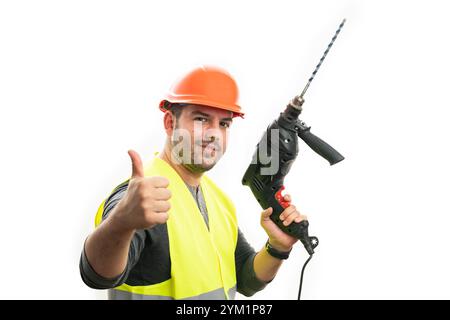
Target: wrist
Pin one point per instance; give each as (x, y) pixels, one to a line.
(277, 252)
(118, 221)
(279, 247)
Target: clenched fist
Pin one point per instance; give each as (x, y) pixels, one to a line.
(146, 202)
(278, 239)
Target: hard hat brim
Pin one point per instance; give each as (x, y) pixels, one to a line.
(165, 103)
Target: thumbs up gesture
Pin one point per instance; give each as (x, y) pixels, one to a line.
(146, 202)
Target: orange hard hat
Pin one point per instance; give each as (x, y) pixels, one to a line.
(208, 86)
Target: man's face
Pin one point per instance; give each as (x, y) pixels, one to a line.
(200, 136)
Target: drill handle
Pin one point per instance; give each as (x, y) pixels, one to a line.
(297, 230)
(318, 145)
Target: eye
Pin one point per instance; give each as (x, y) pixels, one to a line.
(202, 119)
(225, 124)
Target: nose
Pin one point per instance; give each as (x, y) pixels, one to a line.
(213, 130)
(214, 124)
(212, 135)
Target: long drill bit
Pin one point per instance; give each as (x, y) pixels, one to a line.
(323, 58)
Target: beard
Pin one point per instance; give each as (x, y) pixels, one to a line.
(205, 156)
(199, 156)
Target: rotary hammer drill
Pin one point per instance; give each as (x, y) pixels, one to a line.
(275, 154)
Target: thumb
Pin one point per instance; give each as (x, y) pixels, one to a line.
(136, 163)
(266, 213)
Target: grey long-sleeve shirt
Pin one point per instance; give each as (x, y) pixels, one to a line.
(149, 256)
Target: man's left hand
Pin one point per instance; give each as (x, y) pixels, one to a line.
(277, 238)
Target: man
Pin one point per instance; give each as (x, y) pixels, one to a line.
(169, 232)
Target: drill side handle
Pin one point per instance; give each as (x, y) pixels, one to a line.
(318, 145)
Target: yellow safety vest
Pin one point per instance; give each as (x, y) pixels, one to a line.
(202, 260)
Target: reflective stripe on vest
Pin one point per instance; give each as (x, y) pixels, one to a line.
(202, 260)
(114, 294)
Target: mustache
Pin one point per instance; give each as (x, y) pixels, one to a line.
(204, 144)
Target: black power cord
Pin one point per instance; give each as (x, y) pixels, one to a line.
(301, 276)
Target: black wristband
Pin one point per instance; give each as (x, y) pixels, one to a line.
(276, 253)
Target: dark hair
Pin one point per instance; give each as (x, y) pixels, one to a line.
(176, 110)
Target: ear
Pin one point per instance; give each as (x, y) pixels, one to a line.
(169, 122)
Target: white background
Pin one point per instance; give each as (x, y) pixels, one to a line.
(80, 82)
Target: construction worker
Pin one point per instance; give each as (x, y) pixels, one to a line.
(169, 232)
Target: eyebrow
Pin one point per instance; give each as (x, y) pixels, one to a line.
(199, 113)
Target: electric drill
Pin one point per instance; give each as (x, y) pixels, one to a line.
(272, 160)
(275, 154)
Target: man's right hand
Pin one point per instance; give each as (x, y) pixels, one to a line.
(146, 202)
